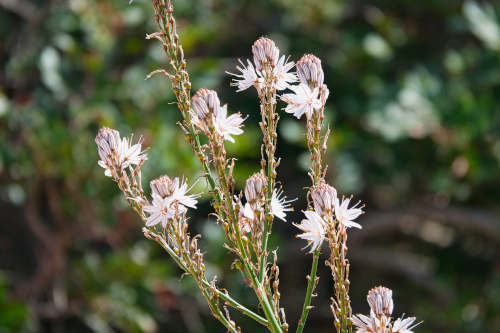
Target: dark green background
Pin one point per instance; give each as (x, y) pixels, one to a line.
(415, 121)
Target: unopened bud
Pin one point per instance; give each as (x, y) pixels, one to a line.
(107, 140)
(164, 186)
(264, 52)
(309, 71)
(205, 102)
(380, 301)
(254, 187)
(323, 196)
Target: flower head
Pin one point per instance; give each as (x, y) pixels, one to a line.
(346, 215)
(303, 100)
(116, 153)
(226, 126)
(161, 210)
(366, 324)
(265, 53)
(380, 301)
(281, 74)
(381, 306)
(164, 186)
(313, 228)
(279, 204)
(403, 325)
(169, 198)
(248, 77)
(309, 71)
(323, 196)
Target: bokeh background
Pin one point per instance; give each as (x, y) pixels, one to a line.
(415, 116)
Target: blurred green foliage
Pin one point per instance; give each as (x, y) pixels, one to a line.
(416, 134)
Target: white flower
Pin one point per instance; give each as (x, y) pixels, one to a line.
(266, 66)
(346, 215)
(403, 325)
(313, 230)
(247, 78)
(117, 154)
(281, 75)
(381, 306)
(180, 195)
(279, 204)
(380, 301)
(169, 198)
(303, 100)
(227, 126)
(366, 324)
(160, 211)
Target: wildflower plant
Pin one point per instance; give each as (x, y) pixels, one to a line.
(247, 217)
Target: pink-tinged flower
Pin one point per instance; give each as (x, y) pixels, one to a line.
(279, 204)
(366, 324)
(116, 153)
(267, 69)
(313, 229)
(380, 301)
(180, 195)
(227, 126)
(161, 210)
(404, 325)
(169, 198)
(247, 78)
(303, 100)
(346, 215)
(281, 74)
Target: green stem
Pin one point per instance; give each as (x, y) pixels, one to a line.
(310, 289)
(228, 299)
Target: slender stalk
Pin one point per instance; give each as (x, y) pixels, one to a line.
(270, 172)
(310, 289)
(258, 287)
(314, 126)
(228, 299)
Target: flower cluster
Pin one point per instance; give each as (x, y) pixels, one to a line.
(380, 321)
(251, 211)
(247, 226)
(310, 94)
(117, 154)
(327, 206)
(267, 66)
(170, 199)
(208, 114)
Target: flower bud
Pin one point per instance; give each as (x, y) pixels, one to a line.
(264, 52)
(323, 196)
(309, 71)
(164, 186)
(254, 187)
(108, 139)
(205, 102)
(380, 301)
